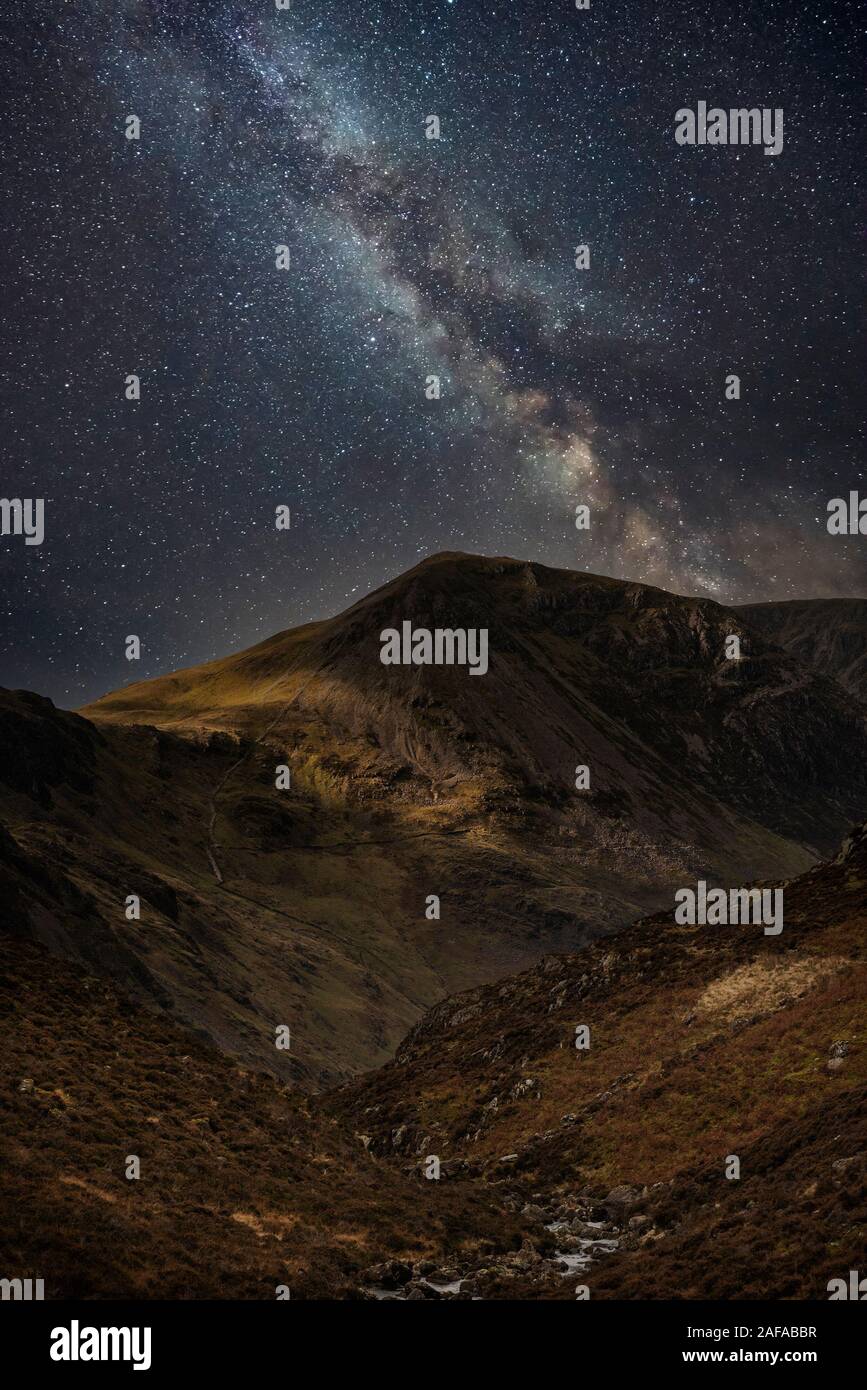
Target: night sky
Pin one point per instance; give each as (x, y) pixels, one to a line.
(412, 257)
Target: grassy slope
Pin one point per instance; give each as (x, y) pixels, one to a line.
(706, 1042)
(320, 920)
(244, 1185)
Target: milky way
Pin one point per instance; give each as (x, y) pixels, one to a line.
(412, 257)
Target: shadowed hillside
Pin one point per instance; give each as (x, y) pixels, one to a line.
(829, 634)
(243, 1186)
(307, 907)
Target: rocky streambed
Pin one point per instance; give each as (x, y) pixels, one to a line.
(561, 1242)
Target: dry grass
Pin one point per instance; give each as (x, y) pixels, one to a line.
(763, 986)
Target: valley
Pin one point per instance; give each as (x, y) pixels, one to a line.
(581, 1063)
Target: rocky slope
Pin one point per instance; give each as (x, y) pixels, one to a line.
(829, 634)
(705, 1043)
(306, 907)
(560, 1171)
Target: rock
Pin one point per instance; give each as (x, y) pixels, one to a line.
(649, 1236)
(426, 1289)
(843, 1165)
(525, 1258)
(391, 1275)
(26, 1084)
(836, 1053)
(527, 1085)
(621, 1197)
(568, 1119)
(639, 1222)
(572, 1244)
(578, 1227)
(533, 1213)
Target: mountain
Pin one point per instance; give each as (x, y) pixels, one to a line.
(631, 680)
(307, 907)
(705, 1043)
(829, 634)
(263, 909)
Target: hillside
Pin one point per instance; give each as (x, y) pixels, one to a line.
(704, 1043)
(558, 1170)
(307, 906)
(243, 1186)
(829, 634)
(631, 680)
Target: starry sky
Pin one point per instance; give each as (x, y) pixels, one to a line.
(411, 257)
